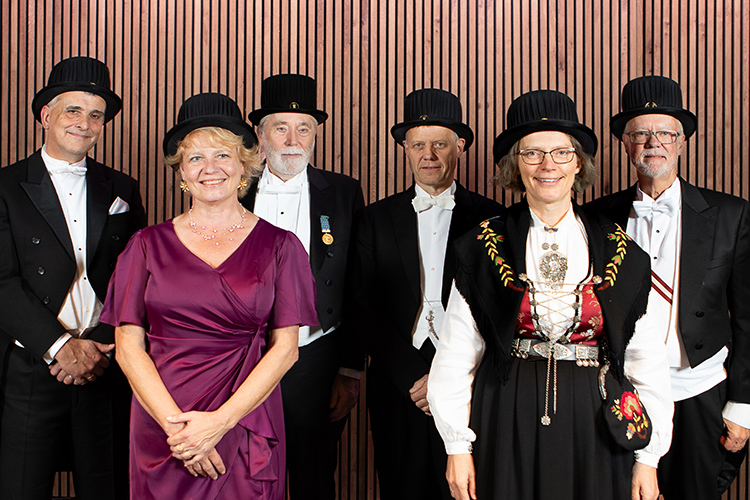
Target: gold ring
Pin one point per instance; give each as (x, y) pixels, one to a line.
(91, 377)
(180, 448)
(70, 377)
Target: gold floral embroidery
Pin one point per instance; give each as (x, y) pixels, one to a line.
(492, 239)
(613, 267)
(595, 321)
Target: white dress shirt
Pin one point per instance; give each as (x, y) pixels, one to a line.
(81, 307)
(433, 226)
(659, 233)
(287, 205)
(461, 350)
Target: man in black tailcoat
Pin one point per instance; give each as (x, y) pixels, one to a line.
(404, 268)
(319, 207)
(64, 219)
(699, 244)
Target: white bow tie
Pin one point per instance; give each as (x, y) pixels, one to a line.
(422, 203)
(67, 169)
(647, 208)
(280, 189)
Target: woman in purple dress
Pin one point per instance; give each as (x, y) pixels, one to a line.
(207, 308)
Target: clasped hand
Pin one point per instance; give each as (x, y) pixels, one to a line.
(736, 436)
(195, 442)
(80, 361)
(418, 393)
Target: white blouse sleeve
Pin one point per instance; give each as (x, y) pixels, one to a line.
(647, 368)
(459, 352)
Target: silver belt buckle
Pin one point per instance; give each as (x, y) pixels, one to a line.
(559, 351)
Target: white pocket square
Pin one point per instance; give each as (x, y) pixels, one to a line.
(119, 206)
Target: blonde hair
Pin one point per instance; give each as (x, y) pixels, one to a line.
(220, 137)
(509, 176)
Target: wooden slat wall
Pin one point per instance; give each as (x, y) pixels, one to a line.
(366, 56)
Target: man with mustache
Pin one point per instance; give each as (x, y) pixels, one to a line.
(404, 268)
(319, 207)
(64, 219)
(699, 243)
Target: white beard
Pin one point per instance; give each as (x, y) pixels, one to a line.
(289, 166)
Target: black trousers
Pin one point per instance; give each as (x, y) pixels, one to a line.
(46, 426)
(410, 456)
(311, 439)
(690, 470)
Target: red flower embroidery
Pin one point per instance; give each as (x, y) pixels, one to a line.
(630, 405)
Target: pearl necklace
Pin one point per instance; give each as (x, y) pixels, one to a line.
(215, 232)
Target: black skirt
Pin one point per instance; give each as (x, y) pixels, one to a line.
(517, 458)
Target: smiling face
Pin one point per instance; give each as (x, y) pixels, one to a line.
(432, 153)
(548, 183)
(288, 140)
(654, 159)
(74, 122)
(212, 171)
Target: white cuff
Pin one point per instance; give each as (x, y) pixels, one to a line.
(739, 413)
(458, 448)
(49, 356)
(647, 458)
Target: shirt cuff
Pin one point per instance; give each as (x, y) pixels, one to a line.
(458, 448)
(646, 458)
(739, 413)
(350, 372)
(49, 356)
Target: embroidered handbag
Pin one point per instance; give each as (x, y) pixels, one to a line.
(623, 411)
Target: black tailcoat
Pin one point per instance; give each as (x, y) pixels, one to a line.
(409, 453)
(312, 440)
(714, 290)
(37, 269)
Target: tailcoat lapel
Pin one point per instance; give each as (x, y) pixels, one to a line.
(698, 227)
(322, 202)
(99, 198)
(43, 195)
(404, 221)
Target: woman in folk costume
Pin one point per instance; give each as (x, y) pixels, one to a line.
(531, 384)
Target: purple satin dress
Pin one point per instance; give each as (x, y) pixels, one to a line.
(207, 329)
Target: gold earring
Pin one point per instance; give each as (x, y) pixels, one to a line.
(184, 187)
(243, 184)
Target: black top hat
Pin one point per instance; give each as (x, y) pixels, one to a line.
(432, 107)
(543, 110)
(288, 93)
(78, 73)
(208, 110)
(652, 95)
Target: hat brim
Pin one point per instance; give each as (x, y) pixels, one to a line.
(505, 141)
(181, 130)
(399, 130)
(619, 121)
(46, 94)
(256, 116)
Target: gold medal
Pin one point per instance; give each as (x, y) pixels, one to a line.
(327, 238)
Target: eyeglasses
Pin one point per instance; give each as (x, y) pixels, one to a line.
(536, 156)
(663, 136)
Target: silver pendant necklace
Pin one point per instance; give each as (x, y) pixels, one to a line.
(553, 265)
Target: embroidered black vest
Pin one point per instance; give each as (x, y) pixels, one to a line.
(491, 257)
